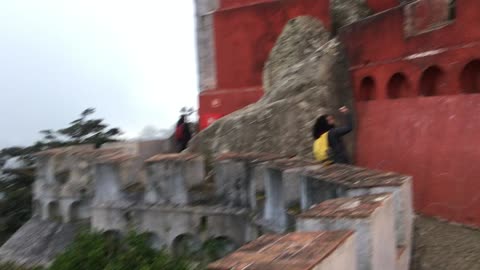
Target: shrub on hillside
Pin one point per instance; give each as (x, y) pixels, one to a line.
(11, 266)
(96, 251)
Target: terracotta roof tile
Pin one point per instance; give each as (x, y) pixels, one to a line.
(251, 157)
(172, 157)
(288, 164)
(353, 177)
(294, 251)
(114, 158)
(356, 207)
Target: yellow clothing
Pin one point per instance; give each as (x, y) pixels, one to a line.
(320, 149)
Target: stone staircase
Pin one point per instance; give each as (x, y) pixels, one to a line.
(37, 242)
(311, 216)
(375, 207)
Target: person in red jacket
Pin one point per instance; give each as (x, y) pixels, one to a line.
(182, 134)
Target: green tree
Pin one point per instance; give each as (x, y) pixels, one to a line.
(83, 130)
(15, 207)
(95, 251)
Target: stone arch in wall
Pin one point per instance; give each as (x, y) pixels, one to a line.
(367, 89)
(112, 236)
(399, 87)
(78, 211)
(154, 241)
(219, 247)
(433, 82)
(54, 211)
(186, 245)
(37, 208)
(62, 177)
(470, 77)
(203, 224)
(131, 218)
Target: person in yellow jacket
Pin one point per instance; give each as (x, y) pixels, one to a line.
(328, 146)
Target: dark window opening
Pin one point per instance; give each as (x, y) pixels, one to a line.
(470, 77)
(203, 224)
(367, 89)
(399, 87)
(432, 82)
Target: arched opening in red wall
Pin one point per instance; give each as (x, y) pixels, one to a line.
(367, 89)
(432, 82)
(398, 86)
(470, 77)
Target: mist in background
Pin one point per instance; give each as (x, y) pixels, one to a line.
(134, 61)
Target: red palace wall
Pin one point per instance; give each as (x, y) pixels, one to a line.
(418, 93)
(245, 31)
(381, 5)
(416, 74)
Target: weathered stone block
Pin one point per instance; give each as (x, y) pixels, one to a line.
(170, 177)
(371, 217)
(305, 76)
(107, 183)
(345, 180)
(237, 177)
(281, 194)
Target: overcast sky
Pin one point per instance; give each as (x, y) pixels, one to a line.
(133, 60)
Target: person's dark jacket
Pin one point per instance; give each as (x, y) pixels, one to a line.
(187, 135)
(338, 151)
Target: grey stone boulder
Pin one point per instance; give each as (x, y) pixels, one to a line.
(305, 76)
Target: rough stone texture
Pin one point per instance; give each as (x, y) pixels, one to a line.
(345, 12)
(169, 222)
(65, 176)
(305, 76)
(239, 178)
(38, 242)
(320, 183)
(371, 217)
(443, 246)
(171, 177)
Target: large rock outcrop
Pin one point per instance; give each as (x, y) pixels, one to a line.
(305, 76)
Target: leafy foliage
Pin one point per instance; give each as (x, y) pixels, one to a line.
(15, 207)
(81, 131)
(95, 251)
(11, 266)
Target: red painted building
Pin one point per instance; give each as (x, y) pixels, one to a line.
(234, 40)
(416, 74)
(418, 101)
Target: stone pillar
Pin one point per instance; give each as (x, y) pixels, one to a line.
(172, 176)
(107, 180)
(354, 181)
(401, 190)
(282, 189)
(371, 217)
(237, 178)
(314, 191)
(233, 183)
(275, 212)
